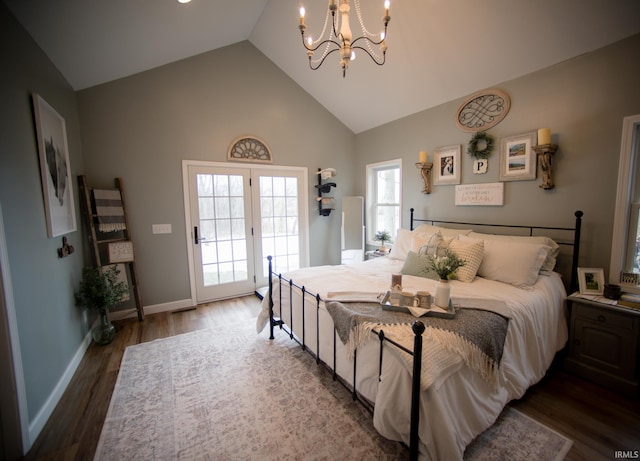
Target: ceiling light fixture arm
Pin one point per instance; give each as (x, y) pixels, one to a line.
(344, 42)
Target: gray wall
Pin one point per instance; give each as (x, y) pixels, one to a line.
(51, 328)
(582, 100)
(142, 127)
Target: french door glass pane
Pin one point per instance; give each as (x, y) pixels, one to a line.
(222, 228)
(279, 218)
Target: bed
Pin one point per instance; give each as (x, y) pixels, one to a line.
(432, 383)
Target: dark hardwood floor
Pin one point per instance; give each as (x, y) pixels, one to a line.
(598, 421)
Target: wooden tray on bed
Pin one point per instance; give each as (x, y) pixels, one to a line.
(434, 311)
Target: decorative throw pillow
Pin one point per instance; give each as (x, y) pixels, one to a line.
(401, 245)
(435, 246)
(472, 253)
(421, 239)
(418, 265)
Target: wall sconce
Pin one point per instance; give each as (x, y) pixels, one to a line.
(545, 151)
(425, 172)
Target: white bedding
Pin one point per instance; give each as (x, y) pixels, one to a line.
(460, 405)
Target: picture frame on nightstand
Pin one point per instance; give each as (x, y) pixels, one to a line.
(591, 281)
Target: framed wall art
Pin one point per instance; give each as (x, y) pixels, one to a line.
(517, 157)
(591, 281)
(55, 172)
(446, 165)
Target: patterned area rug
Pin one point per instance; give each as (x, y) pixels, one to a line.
(235, 395)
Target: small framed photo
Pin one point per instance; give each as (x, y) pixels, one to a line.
(446, 165)
(55, 171)
(591, 281)
(517, 157)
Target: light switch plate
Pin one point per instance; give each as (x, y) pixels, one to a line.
(161, 229)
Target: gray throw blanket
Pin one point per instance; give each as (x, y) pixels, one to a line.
(470, 333)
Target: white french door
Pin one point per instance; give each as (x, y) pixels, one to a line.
(236, 217)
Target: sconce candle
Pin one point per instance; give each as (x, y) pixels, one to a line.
(545, 154)
(544, 136)
(423, 157)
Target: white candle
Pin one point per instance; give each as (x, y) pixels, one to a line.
(423, 156)
(544, 136)
(302, 13)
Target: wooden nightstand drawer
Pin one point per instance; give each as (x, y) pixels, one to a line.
(608, 349)
(604, 317)
(604, 345)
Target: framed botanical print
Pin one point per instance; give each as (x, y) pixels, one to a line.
(446, 165)
(55, 172)
(517, 157)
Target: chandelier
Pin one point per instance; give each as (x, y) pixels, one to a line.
(343, 41)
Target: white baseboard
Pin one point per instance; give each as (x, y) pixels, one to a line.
(154, 309)
(36, 425)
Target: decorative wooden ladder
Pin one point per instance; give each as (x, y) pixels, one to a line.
(111, 250)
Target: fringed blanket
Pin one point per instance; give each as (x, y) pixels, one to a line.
(474, 337)
(109, 210)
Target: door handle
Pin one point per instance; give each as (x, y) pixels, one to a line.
(195, 234)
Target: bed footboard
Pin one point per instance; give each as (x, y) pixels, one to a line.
(418, 329)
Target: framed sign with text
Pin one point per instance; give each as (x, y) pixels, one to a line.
(490, 194)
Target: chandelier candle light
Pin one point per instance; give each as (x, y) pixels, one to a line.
(343, 40)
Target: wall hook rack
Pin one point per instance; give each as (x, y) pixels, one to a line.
(325, 189)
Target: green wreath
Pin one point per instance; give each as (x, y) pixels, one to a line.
(482, 138)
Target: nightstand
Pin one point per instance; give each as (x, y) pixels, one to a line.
(604, 344)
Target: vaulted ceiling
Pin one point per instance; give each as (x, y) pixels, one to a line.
(438, 50)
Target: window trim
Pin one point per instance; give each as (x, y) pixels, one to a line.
(629, 160)
(371, 168)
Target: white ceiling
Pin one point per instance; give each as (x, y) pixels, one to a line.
(439, 50)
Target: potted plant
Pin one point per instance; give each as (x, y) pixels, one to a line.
(445, 268)
(382, 236)
(101, 290)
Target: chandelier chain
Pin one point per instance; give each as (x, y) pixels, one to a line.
(365, 32)
(328, 44)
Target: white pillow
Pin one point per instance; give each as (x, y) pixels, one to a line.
(512, 262)
(401, 245)
(472, 252)
(549, 262)
(445, 231)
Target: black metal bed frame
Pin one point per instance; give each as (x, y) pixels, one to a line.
(417, 326)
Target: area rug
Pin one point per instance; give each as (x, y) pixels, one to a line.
(515, 436)
(229, 394)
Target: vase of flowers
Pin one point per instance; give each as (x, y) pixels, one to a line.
(445, 267)
(101, 290)
(382, 236)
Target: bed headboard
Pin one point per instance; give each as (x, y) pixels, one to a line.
(568, 238)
